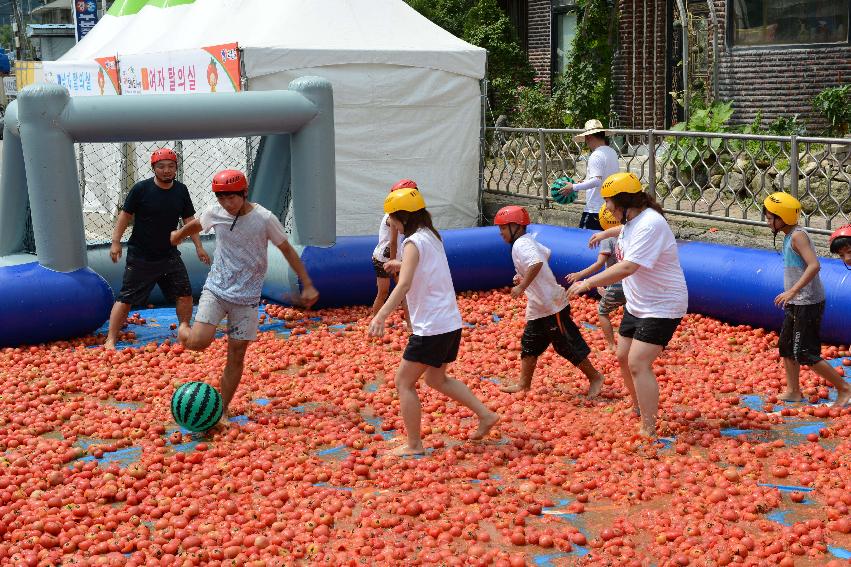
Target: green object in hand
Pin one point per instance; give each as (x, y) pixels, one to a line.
(557, 185)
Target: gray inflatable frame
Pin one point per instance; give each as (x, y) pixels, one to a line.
(39, 165)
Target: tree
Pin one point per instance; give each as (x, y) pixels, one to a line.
(586, 83)
(7, 38)
(484, 24)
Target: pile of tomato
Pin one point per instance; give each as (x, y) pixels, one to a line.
(94, 471)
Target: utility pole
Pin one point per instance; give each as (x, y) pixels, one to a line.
(20, 32)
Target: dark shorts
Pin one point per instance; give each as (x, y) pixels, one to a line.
(434, 350)
(591, 221)
(558, 330)
(799, 337)
(379, 268)
(140, 277)
(611, 299)
(652, 330)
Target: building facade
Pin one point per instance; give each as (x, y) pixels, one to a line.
(767, 56)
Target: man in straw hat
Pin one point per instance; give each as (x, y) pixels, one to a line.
(602, 163)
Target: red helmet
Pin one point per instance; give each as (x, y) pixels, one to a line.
(840, 237)
(229, 181)
(512, 214)
(163, 154)
(404, 184)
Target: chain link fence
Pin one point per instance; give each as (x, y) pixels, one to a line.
(705, 175)
(108, 171)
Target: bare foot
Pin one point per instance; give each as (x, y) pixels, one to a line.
(647, 434)
(406, 451)
(595, 386)
(611, 347)
(485, 425)
(842, 397)
(109, 345)
(514, 388)
(788, 396)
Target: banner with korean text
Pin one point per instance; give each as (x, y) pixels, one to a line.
(203, 70)
(97, 77)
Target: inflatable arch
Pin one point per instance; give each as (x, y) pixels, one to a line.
(55, 294)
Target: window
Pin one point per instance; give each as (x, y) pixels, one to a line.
(564, 30)
(788, 22)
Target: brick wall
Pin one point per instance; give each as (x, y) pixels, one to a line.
(780, 82)
(638, 101)
(540, 39)
(776, 81)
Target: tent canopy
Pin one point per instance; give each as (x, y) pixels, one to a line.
(407, 98)
(290, 34)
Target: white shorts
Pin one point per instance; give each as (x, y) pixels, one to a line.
(242, 319)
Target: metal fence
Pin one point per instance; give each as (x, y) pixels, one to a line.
(716, 176)
(108, 171)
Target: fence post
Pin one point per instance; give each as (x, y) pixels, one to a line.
(793, 166)
(127, 173)
(542, 141)
(178, 149)
(651, 161)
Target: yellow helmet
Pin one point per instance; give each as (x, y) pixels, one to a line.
(623, 182)
(607, 219)
(407, 199)
(784, 205)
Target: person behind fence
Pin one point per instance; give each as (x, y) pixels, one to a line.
(154, 206)
(802, 300)
(602, 163)
(548, 320)
(611, 296)
(840, 244)
(235, 282)
(653, 284)
(425, 280)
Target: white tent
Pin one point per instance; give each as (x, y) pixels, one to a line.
(407, 96)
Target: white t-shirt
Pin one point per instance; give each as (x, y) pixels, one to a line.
(382, 251)
(239, 264)
(658, 288)
(602, 163)
(431, 299)
(544, 296)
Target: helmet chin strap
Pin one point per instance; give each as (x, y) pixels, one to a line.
(512, 234)
(239, 212)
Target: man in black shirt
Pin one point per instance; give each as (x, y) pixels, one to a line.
(155, 205)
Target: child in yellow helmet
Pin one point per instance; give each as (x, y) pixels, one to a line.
(611, 296)
(803, 300)
(425, 281)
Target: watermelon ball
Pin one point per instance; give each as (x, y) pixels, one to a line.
(196, 406)
(558, 197)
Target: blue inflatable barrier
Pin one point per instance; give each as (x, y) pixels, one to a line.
(40, 305)
(737, 285)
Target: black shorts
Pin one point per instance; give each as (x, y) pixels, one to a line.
(434, 350)
(652, 330)
(558, 330)
(591, 221)
(799, 337)
(140, 277)
(379, 268)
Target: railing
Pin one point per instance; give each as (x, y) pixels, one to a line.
(715, 176)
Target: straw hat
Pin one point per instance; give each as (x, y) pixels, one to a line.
(591, 127)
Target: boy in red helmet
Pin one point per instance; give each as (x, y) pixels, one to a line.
(548, 319)
(840, 244)
(154, 205)
(243, 230)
